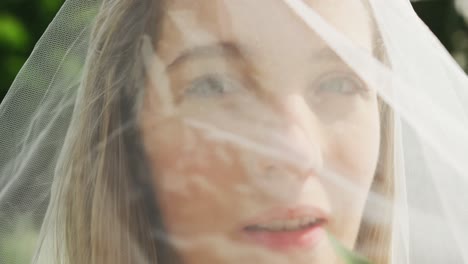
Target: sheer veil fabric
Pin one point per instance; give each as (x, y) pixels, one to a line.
(235, 132)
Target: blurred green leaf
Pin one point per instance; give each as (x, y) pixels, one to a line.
(19, 248)
(13, 64)
(50, 6)
(347, 255)
(13, 33)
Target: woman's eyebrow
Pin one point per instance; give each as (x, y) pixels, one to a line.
(233, 50)
(324, 53)
(219, 49)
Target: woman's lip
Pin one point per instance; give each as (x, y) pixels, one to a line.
(288, 213)
(306, 237)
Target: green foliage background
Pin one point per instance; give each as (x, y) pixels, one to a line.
(22, 23)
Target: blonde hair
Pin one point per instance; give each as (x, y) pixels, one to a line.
(106, 210)
(375, 236)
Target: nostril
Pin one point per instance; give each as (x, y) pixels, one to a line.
(282, 182)
(288, 172)
(274, 172)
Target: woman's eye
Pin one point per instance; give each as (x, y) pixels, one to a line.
(342, 84)
(209, 86)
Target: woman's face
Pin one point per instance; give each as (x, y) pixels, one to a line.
(259, 137)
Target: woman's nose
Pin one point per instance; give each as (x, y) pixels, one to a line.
(301, 131)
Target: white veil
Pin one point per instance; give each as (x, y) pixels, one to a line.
(423, 88)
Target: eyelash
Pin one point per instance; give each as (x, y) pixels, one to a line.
(216, 85)
(220, 85)
(357, 85)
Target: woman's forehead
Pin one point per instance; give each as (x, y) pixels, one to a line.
(264, 27)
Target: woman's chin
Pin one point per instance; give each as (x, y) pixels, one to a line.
(310, 247)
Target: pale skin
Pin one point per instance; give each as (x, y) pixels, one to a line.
(261, 108)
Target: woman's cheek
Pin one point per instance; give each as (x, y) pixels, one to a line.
(353, 143)
(351, 155)
(192, 178)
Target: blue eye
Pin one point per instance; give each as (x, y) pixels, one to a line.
(340, 84)
(209, 86)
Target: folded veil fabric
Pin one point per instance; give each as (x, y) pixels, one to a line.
(76, 115)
